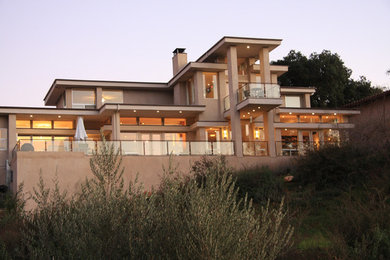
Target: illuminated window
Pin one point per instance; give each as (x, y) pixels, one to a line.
(288, 119)
(128, 136)
(83, 98)
(332, 119)
(128, 121)
(63, 124)
(3, 138)
(112, 96)
(41, 143)
(332, 136)
(174, 121)
(175, 136)
(150, 121)
(41, 124)
(309, 119)
(292, 101)
(23, 124)
(210, 85)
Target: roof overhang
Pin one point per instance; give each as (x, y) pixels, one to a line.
(255, 45)
(59, 85)
(132, 110)
(187, 71)
(319, 111)
(297, 90)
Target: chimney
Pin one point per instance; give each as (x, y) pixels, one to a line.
(179, 60)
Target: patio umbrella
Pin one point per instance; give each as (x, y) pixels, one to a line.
(80, 134)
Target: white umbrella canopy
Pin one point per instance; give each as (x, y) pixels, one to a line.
(80, 134)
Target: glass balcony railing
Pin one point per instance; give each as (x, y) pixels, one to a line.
(255, 148)
(226, 103)
(130, 147)
(257, 91)
(284, 148)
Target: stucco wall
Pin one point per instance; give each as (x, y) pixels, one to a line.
(71, 169)
(3, 153)
(147, 97)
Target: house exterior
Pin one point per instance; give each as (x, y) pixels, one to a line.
(226, 102)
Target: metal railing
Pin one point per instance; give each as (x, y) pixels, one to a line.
(130, 147)
(284, 148)
(255, 148)
(257, 91)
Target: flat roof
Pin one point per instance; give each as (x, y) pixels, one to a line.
(255, 44)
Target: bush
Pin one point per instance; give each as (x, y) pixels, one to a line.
(186, 218)
(261, 185)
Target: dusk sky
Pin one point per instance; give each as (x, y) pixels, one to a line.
(42, 40)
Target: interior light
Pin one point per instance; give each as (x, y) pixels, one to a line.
(134, 110)
(224, 133)
(31, 115)
(158, 111)
(289, 113)
(334, 114)
(249, 113)
(59, 116)
(248, 46)
(285, 129)
(253, 110)
(180, 112)
(243, 116)
(312, 113)
(257, 134)
(103, 100)
(258, 107)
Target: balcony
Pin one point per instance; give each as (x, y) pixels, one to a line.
(139, 148)
(255, 148)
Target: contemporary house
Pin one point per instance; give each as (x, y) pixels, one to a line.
(226, 102)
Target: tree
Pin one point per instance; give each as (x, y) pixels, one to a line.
(328, 74)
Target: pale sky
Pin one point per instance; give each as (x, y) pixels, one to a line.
(41, 40)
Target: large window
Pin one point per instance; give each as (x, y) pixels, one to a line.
(83, 99)
(112, 96)
(210, 86)
(63, 124)
(175, 121)
(3, 138)
(128, 121)
(288, 119)
(292, 101)
(23, 124)
(41, 124)
(309, 119)
(150, 121)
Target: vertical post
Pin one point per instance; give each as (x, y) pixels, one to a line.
(233, 87)
(269, 132)
(11, 134)
(116, 127)
(99, 97)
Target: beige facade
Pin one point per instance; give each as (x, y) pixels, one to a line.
(226, 102)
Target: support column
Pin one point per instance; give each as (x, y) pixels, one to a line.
(11, 134)
(233, 87)
(265, 71)
(99, 97)
(269, 132)
(116, 126)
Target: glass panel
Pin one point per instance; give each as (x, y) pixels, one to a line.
(132, 147)
(288, 119)
(60, 144)
(128, 136)
(128, 121)
(150, 121)
(84, 146)
(23, 124)
(332, 119)
(40, 143)
(210, 84)
(175, 121)
(3, 138)
(112, 96)
(332, 136)
(63, 124)
(292, 101)
(178, 147)
(309, 119)
(41, 124)
(200, 148)
(223, 148)
(289, 142)
(83, 97)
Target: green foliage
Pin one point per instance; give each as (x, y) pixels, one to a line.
(187, 218)
(327, 73)
(261, 185)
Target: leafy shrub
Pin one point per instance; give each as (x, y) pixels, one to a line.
(261, 185)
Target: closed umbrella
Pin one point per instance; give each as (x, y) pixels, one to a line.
(80, 134)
